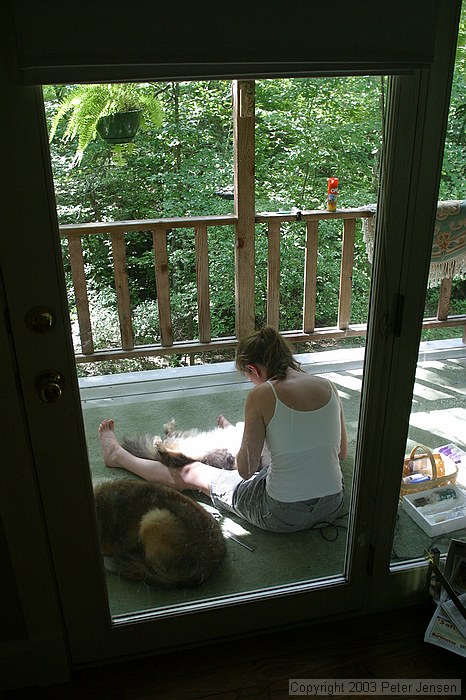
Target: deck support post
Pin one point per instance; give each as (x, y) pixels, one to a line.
(243, 138)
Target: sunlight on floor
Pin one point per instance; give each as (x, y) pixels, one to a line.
(437, 378)
(344, 380)
(197, 395)
(428, 394)
(448, 423)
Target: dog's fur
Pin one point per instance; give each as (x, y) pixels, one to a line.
(153, 533)
(217, 447)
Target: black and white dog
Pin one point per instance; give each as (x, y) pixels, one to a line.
(217, 447)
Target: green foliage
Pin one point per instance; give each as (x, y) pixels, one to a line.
(310, 129)
(454, 161)
(306, 131)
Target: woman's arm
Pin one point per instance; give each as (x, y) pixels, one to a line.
(344, 437)
(248, 458)
(343, 453)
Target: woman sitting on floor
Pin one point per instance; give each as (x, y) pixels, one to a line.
(301, 419)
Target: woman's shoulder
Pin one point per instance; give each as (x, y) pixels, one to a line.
(300, 378)
(261, 390)
(262, 395)
(260, 404)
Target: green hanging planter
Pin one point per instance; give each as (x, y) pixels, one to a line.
(120, 127)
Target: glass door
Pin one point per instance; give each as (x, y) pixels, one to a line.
(432, 509)
(143, 400)
(38, 313)
(100, 619)
(420, 382)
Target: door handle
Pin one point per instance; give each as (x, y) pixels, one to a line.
(49, 386)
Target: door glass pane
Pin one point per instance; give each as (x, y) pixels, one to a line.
(134, 288)
(429, 517)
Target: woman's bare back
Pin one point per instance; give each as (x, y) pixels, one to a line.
(302, 391)
(298, 390)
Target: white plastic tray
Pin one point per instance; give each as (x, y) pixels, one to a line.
(440, 516)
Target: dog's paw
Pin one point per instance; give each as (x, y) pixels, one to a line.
(170, 427)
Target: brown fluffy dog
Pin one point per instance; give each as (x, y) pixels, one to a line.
(155, 534)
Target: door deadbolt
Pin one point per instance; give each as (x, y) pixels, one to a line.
(40, 319)
(49, 386)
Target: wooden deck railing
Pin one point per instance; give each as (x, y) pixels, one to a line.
(168, 345)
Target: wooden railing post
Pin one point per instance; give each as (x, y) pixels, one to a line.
(273, 274)
(162, 283)
(346, 273)
(202, 281)
(80, 293)
(122, 290)
(310, 276)
(243, 138)
(444, 298)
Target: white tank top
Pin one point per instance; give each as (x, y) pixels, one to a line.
(304, 447)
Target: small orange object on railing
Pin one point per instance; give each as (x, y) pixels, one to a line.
(332, 193)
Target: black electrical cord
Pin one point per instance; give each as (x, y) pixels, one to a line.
(334, 528)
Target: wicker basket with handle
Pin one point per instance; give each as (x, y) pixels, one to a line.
(437, 465)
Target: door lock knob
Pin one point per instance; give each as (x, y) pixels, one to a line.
(49, 386)
(40, 319)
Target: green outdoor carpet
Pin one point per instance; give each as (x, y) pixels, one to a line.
(277, 559)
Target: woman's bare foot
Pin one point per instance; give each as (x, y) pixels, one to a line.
(222, 422)
(108, 442)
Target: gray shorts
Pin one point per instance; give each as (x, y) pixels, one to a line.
(249, 500)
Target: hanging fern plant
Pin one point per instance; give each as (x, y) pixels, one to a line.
(86, 106)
